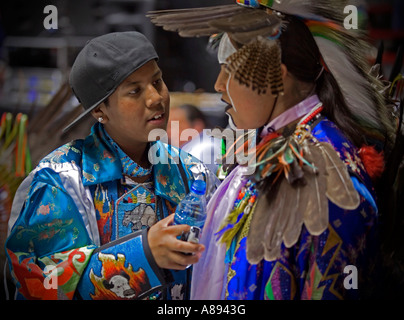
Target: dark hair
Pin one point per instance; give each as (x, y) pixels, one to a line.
(193, 113)
(299, 51)
(302, 57)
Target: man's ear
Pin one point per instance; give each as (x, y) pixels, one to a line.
(98, 113)
(284, 70)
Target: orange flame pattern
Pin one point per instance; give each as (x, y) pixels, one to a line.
(138, 280)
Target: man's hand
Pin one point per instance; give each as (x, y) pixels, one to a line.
(167, 250)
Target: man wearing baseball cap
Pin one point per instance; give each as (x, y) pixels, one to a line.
(94, 219)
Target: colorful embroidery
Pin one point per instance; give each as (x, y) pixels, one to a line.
(313, 268)
(65, 271)
(129, 167)
(136, 209)
(116, 281)
(104, 210)
(51, 240)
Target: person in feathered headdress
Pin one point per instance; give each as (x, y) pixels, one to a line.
(290, 71)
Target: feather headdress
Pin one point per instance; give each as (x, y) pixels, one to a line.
(257, 63)
(248, 20)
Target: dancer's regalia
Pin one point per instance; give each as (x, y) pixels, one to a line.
(96, 246)
(304, 225)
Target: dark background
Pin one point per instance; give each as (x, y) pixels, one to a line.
(185, 62)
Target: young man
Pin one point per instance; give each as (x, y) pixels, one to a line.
(94, 219)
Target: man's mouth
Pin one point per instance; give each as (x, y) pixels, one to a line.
(228, 105)
(157, 117)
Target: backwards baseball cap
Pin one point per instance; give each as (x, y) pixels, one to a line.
(104, 63)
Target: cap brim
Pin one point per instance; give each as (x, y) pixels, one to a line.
(85, 113)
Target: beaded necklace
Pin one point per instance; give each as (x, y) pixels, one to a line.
(312, 116)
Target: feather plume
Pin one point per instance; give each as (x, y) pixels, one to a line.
(195, 21)
(372, 160)
(197, 32)
(252, 20)
(210, 20)
(235, 18)
(298, 203)
(340, 189)
(193, 14)
(357, 91)
(315, 216)
(280, 211)
(313, 175)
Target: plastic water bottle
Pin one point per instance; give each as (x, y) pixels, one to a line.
(192, 211)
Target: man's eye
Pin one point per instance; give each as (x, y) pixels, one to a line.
(134, 91)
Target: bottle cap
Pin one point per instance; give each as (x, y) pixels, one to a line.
(199, 187)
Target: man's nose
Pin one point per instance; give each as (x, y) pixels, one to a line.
(220, 85)
(153, 96)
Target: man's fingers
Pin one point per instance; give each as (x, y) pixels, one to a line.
(179, 229)
(168, 251)
(167, 221)
(188, 247)
(174, 229)
(180, 261)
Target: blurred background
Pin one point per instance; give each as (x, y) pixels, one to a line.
(38, 60)
(36, 102)
(35, 62)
